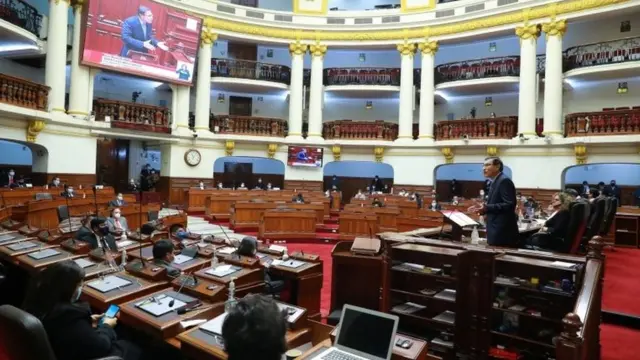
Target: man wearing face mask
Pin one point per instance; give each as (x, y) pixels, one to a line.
(55, 183)
(99, 235)
(269, 186)
(163, 256)
(434, 205)
(242, 187)
(68, 192)
(201, 185)
(118, 202)
(614, 190)
(260, 184)
(117, 223)
(10, 180)
(132, 185)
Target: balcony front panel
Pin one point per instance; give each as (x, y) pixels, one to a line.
(603, 53)
(360, 130)
(23, 93)
(132, 116)
(505, 127)
(478, 69)
(252, 70)
(20, 13)
(362, 76)
(248, 125)
(620, 121)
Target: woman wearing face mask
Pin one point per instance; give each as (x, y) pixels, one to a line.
(74, 334)
(434, 205)
(117, 223)
(553, 235)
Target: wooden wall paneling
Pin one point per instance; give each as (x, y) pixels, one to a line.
(86, 180)
(303, 185)
(240, 51)
(350, 185)
(276, 180)
(174, 190)
(21, 170)
(112, 163)
(626, 192)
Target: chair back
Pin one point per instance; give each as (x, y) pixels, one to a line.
(610, 214)
(596, 218)
(63, 212)
(22, 335)
(577, 227)
(153, 215)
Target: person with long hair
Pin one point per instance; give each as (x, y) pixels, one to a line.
(73, 332)
(553, 235)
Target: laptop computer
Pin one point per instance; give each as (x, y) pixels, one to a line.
(363, 334)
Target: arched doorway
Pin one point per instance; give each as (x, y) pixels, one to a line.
(232, 171)
(626, 176)
(355, 175)
(468, 176)
(29, 162)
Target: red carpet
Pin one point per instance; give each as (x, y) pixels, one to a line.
(324, 250)
(622, 281)
(619, 343)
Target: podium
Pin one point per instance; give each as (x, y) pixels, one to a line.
(458, 222)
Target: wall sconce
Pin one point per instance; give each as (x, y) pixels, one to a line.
(362, 57)
(488, 101)
(221, 98)
(368, 105)
(623, 88)
(492, 47)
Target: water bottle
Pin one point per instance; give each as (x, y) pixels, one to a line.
(285, 255)
(475, 237)
(231, 300)
(214, 260)
(123, 259)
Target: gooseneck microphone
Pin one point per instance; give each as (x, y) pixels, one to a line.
(140, 228)
(224, 232)
(66, 199)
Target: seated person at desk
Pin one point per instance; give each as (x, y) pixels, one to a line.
(249, 247)
(269, 186)
(377, 203)
(255, 329)
(552, 235)
(85, 228)
(201, 185)
(68, 192)
(55, 183)
(99, 235)
(9, 180)
(220, 186)
(73, 332)
(117, 223)
(163, 256)
(118, 202)
(360, 195)
(298, 199)
(133, 186)
(260, 184)
(241, 187)
(435, 206)
(593, 195)
(455, 201)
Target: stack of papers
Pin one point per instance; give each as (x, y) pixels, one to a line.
(222, 270)
(160, 305)
(448, 317)
(124, 243)
(214, 326)
(293, 264)
(84, 263)
(446, 294)
(226, 250)
(408, 308)
(22, 246)
(181, 259)
(108, 283)
(43, 254)
(278, 248)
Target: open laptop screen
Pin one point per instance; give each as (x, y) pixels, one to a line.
(367, 332)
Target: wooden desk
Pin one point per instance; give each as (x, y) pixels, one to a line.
(138, 287)
(418, 350)
(10, 237)
(33, 265)
(626, 227)
(243, 277)
(306, 285)
(248, 214)
(202, 289)
(279, 224)
(193, 264)
(354, 225)
(96, 270)
(167, 325)
(10, 255)
(147, 253)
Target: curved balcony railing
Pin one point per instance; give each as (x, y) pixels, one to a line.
(620, 121)
(21, 14)
(23, 93)
(360, 130)
(478, 69)
(607, 52)
(505, 127)
(133, 116)
(246, 69)
(247, 125)
(362, 76)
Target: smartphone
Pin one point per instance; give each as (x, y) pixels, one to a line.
(111, 312)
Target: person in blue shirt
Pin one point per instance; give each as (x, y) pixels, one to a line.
(183, 72)
(302, 155)
(137, 33)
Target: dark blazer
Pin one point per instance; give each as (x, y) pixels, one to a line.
(615, 192)
(171, 271)
(502, 222)
(376, 185)
(72, 336)
(88, 236)
(117, 203)
(133, 36)
(558, 225)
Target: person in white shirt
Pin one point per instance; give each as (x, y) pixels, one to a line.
(220, 186)
(269, 186)
(201, 185)
(360, 195)
(455, 201)
(242, 186)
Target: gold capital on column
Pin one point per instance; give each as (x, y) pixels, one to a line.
(57, 2)
(33, 129)
(318, 49)
(406, 48)
(492, 151)
(207, 35)
(271, 150)
(581, 153)
(337, 152)
(297, 48)
(429, 47)
(528, 31)
(378, 152)
(448, 154)
(555, 28)
(77, 4)
(229, 146)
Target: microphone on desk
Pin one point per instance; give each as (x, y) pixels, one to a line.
(73, 241)
(140, 228)
(224, 232)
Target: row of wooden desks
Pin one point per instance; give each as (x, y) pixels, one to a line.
(196, 282)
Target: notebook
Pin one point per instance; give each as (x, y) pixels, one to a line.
(43, 254)
(84, 263)
(222, 270)
(293, 264)
(214, 326)
(181, 259)
(160, 305)
(108, 283)
(22, 246)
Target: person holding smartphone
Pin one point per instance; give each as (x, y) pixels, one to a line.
(74, 333)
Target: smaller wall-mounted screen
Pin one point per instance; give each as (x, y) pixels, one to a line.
(305, 156)
(141, 37)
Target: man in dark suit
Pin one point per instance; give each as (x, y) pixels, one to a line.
(500, 207)
(9, 179)
(163, 256)
(614, 190)
(99, 230)
(137, 33)
(118, 202)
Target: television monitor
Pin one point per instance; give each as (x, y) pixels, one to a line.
(140, 37)
(305, 156)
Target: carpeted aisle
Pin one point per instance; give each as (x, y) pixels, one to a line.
(324, 251)
(621, 292)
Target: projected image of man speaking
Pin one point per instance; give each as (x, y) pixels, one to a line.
(137, 34)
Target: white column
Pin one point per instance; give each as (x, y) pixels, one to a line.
(427, 91)
(553, 75)
(203, 81)
(316, 92)
(93, 72)
(528, 67)
(79, 89)
(405, 113)
(180, 107)
(56, 62)
(296, 89)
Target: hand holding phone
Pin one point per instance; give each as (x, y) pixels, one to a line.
(111, 313)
